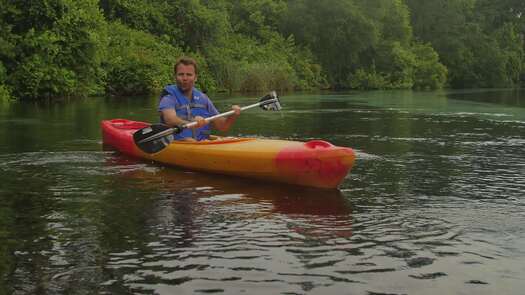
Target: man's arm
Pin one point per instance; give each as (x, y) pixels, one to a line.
(224, 124)
(171, 119)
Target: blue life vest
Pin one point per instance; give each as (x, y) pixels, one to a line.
(199, 105)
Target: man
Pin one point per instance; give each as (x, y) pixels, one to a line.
(183, 103)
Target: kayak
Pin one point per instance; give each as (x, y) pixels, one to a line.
(315, 163)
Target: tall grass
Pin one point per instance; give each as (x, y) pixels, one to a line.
(257, 77)
(5, 95)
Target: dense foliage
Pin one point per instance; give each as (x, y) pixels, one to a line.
(53, 48)
(479, 41)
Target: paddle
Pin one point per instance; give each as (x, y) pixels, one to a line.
(156, 137)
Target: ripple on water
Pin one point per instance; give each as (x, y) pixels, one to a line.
(251, 246)
(450, 218)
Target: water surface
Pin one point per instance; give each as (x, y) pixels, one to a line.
(434, 205)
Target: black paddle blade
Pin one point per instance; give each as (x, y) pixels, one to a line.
(146, 140)
(270, 102)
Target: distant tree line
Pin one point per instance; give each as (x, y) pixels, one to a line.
(55, 48)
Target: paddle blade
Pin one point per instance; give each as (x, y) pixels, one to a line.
(270, 102)
(146, 138)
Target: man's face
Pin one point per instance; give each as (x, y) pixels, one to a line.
(185, 77)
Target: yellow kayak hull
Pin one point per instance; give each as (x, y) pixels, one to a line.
(315, 163)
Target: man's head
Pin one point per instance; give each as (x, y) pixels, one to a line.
(187, 61)
(185, 74)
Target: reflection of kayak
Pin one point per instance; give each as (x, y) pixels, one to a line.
(185, 196)
(314, 163)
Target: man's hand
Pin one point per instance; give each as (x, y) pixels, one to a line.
(223, 124)
(237, 110)
(200, 121)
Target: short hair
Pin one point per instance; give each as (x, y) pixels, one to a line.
(187, 61)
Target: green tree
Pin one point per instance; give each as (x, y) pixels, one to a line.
(150, 16)
(360, 44)
(498, 13)
(256, 18)
(53, 48)
(6, 45)
(138, 62)
(429, 73)
(187, 24)
(251, 55)
(4, 91)
(337, 32)
(480, 42)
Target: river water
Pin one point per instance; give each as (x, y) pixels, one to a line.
(434, 205)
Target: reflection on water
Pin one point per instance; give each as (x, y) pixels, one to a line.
(511, 97)
(210, 231)
(434, 205)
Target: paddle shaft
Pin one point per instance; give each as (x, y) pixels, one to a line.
(209, 119)
(229, 113)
